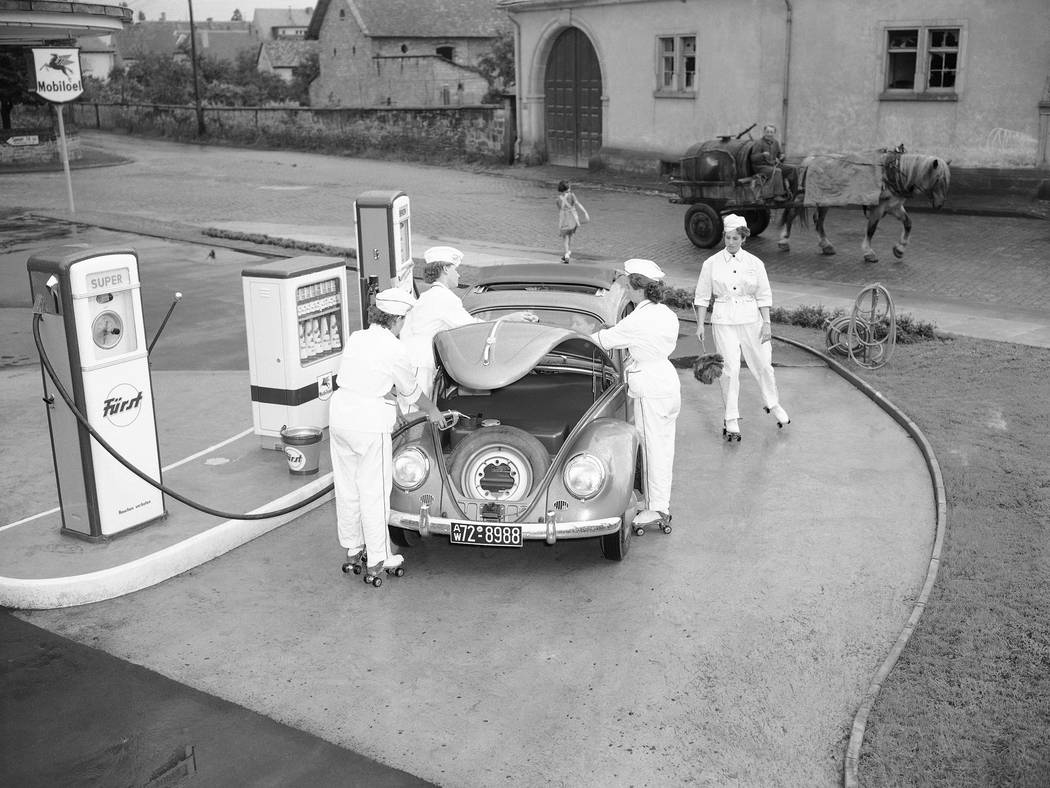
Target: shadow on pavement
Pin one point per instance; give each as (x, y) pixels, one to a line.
(74, 715)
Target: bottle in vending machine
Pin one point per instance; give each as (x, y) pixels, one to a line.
(315, 338)
(325, 337)
(336, 331)
(302, 341)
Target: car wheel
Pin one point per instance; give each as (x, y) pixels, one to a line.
(615, 546)
(398, 536)
(703, 225)
(499, 463)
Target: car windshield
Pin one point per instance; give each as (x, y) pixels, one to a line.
(562, 318)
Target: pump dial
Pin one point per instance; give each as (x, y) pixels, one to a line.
(107, 329)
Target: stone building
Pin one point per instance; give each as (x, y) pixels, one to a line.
(281, 24)
(402, 53)
(631, 83)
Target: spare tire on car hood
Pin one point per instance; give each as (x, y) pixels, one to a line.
(495, 354)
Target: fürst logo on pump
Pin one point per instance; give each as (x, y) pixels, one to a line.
(55, 74)
(122, 405)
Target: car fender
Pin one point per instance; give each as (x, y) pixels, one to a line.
(615, 443)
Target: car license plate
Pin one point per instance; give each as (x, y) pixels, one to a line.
(486, 534)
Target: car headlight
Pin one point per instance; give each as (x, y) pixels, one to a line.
(411, 468)
(584, 476)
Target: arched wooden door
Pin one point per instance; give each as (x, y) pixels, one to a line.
(573, 100)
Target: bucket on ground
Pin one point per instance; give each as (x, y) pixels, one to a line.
(302, 449)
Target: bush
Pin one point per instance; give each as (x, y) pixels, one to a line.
(909, 329)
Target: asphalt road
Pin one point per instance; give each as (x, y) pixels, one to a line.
(984, 260)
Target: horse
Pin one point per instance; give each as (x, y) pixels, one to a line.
(902, 175)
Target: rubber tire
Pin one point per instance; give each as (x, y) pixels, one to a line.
(757, 219)
(398, 536)
(616, 546)
(703, 225)
(513, 438)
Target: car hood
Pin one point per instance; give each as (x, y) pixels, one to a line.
(495, 354)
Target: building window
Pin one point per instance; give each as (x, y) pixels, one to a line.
(922, 61)
(676, 65)
(445, 52)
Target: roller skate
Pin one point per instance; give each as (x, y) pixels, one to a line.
(731, 430)
(781, 416)
(355, 561)
(393, 565)
(650, 518)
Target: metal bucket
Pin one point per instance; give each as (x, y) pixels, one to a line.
(302, 449)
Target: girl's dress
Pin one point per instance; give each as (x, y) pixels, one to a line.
(568, 218)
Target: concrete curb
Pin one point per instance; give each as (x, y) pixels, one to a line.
(149, 570)
(851, 767)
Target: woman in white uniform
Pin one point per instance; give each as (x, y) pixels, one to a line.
(650, 334)
(375, 367)
(737, 283)
(438, 309)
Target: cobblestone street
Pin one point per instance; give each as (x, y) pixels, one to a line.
(987, 260)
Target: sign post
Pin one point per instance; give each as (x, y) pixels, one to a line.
(55, 77)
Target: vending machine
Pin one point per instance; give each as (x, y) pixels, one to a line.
(92, 334)
(384, 244)
(296, 316)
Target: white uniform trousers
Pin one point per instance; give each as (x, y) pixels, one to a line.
(363, 471)
(654, 418)
(731, 341)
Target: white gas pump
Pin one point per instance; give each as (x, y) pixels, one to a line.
(295, 313)
(384, 245)
(92, 332)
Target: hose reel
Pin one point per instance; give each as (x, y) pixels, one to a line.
(869, 333)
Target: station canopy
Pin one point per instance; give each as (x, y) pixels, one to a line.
(29, 23)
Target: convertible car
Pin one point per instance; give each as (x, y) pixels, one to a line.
(542, 449)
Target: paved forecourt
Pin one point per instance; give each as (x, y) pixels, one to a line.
(735, 648)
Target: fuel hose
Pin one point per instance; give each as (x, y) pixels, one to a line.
(80, 417)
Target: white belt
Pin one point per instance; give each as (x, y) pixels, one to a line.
(734, 299)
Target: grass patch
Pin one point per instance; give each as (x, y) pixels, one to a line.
(283, 243)
(968, 703)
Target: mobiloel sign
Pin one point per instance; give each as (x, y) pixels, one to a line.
(56, 74)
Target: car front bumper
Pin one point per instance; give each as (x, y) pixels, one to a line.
(551, 530)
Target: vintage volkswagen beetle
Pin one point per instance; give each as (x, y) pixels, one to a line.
(544, 450)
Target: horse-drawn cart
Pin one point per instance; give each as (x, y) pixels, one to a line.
(716, 178)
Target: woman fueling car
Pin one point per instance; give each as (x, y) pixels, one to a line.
(375, 368)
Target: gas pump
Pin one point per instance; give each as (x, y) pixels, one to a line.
(295, 313)
(384, 245)
(92, 331)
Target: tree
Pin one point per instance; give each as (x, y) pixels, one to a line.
(307, 71)
(497, 65)
(14, 83)
(236, 16)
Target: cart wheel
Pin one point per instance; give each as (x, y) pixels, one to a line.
(757, 220)
(703, 225)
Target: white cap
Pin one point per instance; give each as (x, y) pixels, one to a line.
(395, 301)
(643, 267)
(732, 222)
(443, 254)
